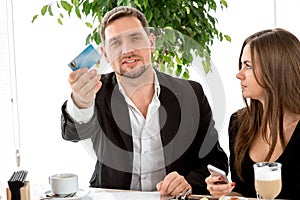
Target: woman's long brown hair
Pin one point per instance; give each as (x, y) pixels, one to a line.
(276, 54)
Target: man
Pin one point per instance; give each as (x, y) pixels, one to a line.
(146, 127)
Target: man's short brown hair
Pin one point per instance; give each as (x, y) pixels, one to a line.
(119, 12)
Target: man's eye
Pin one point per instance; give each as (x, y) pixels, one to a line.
(115, 43)
(136, 38)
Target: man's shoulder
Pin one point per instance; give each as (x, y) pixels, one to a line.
(163, 77)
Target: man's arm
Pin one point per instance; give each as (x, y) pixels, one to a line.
(75, 131)
(210, 151)
(79, 119)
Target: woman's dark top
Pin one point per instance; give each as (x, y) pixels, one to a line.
(289, 160)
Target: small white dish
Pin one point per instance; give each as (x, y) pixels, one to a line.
(81, 193)
(234, 198)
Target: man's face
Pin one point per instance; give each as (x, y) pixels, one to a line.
(127, 47)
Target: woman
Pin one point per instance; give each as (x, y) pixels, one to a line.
(268, 128)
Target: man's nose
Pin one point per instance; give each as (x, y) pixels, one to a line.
(127, 48)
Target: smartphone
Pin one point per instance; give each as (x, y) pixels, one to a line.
(87, 58)
(214, 171)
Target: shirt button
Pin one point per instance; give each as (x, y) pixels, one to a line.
(144, 177)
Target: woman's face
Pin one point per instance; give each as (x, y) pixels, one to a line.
(250, 87)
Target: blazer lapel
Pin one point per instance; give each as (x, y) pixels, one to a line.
(169, 115)
(120, 114)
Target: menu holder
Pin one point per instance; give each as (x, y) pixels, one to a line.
(18, 188)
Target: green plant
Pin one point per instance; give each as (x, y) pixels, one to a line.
(182, 27)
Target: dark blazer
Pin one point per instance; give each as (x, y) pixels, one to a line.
(189, 138)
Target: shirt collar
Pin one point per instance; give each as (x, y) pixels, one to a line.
(156, 86)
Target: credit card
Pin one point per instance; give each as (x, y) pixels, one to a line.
(87, 58)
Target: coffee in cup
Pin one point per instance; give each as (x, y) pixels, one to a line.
(63, 184)
(267, 179)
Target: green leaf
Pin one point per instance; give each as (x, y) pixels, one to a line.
(77, 11)
(97, 38)
(188, 56)
(161, 22)
(66, 6)
(88, 39)
(171, 36)
(186, 75)
(169, 28)
(228, 38)
(136, 2)
(149, 15)
(178, 60)
(34, 18)
(145, 3)
(170, 70)
(59, 21)
(50, 11)
(223, 2)
(167, 58)
(166, 13)
(206, 67)
(158, 43)
(178, 70)
(119, 2)
(88, 24)
(75, 3)
(162, 67)
(61, 15)
(156, 13)
(44, 10)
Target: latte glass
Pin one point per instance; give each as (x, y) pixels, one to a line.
(267, 177)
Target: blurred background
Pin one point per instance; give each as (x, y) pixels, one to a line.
(40, 52)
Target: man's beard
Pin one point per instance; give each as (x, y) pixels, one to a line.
(132, 74)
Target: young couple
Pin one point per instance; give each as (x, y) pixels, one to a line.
(147, 128)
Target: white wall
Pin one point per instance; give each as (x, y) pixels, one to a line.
(42, 51)
(241, 19)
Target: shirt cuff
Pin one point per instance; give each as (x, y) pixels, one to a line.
(79, 115)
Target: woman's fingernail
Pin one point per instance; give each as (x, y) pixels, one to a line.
(220, 179)
(232, 184)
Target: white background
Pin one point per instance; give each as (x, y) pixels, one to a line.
(42, 51)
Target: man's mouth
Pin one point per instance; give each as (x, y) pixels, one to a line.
(130, 61)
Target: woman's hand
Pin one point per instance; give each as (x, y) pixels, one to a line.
(216, 188)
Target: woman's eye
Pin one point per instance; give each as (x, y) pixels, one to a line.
(249, 66)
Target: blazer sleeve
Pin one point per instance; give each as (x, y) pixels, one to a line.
(210, 151)
(73, 131)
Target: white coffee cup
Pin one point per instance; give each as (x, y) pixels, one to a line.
(63, 184)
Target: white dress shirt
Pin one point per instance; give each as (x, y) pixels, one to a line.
(148, 156)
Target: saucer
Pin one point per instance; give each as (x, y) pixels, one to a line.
(234, 198)
(81, 193)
